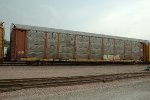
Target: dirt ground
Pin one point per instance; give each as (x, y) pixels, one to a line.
(11, 72)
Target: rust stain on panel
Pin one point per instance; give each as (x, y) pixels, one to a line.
(131, 51)
(46, 46)
(142, 50)
(102, 48)
(75, 47)
(124, 49)
(89, 48)
(58, 44)
(149, 53)
(144, 54)
(128, 50)
(114, 46)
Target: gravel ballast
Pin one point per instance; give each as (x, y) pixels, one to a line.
(17, 72)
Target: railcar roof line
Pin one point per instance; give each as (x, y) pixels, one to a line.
(46, 29)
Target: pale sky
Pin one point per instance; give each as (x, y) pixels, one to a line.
(127, 18)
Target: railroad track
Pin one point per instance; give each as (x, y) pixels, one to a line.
(7, 85)
(61, 63)
(13, 64)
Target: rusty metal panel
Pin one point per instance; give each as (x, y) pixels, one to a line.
(119, 48)
(35, 44)
(142, 50)
(128, 50)
(135, 50)
(46, 46)
(82, 46)
(66, 46)
(1, 41)
(75, 46)
(52, 45)
(96, 44)
(108, 46)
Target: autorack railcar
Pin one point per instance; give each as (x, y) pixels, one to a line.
(40, 44)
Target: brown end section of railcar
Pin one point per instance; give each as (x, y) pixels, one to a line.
(148, 53)
(18, 41)
(1, 41)
(143, 51)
